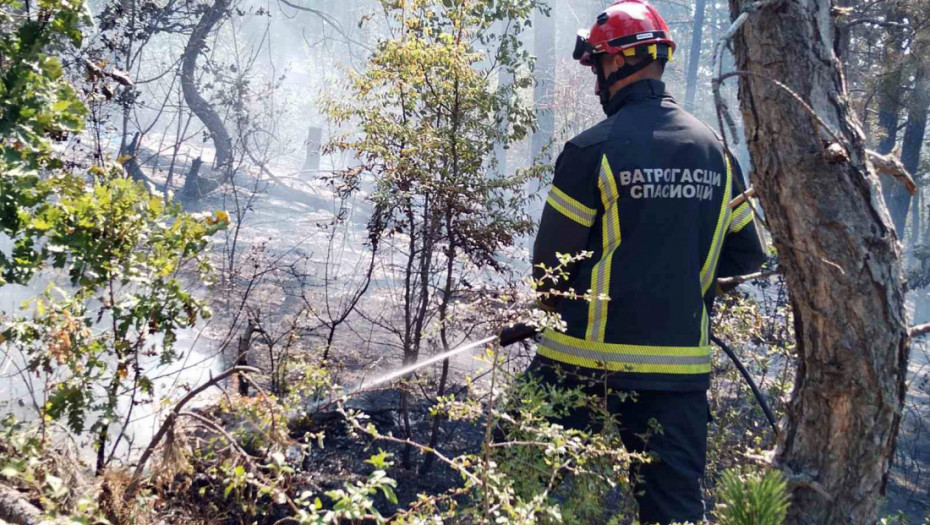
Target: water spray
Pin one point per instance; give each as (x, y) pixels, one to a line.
(396, 374)
(520, 332)
(421, 364)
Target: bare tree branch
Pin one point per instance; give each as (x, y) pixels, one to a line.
(121, 77)
(172, 418)
(919, 330)
(891, 165)
(740, 279)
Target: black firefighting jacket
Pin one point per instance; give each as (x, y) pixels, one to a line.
(647, 191)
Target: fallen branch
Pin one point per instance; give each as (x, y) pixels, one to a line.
(170, 421)
(891, 165)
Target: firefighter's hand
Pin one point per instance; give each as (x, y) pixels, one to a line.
(516, 333)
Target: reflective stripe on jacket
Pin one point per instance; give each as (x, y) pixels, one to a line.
(647, 191)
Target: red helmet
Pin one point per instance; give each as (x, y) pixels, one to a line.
(629, 26)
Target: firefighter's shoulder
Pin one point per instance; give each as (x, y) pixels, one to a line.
(596, 134)
(698, 126)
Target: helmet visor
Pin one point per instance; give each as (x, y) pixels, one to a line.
(583, 52)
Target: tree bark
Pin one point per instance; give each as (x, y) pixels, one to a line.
(841, 261)
(694, 59)
(204, 111)
(195, 185)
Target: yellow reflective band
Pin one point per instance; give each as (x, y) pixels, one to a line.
(741, 217)
(705, 325)
(625, 358)
(652, 51)
(571, 208)
(600, 275)
(670, 53)
(723, 221)
(631, 52)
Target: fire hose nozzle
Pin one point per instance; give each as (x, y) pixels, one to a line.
(516, 332)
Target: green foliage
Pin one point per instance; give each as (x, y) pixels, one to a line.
(48, 478)
(36, 100)
(124, 251)
(752, 498)
(37, 105)
(571, 473)
(354, 501)
(530, 470)
(429, 117)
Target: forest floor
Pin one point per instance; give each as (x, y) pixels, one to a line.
(342, 459)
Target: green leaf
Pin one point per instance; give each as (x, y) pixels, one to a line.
(10, 471)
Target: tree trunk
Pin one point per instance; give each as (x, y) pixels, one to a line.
(911, 146)
(204, 111)
(242, 359)
(694, 59)
(890, 94)
(314, 142)
(915, 221)
(132, 163)
(196, 186)
(916, 127)
(840, 258)
(443, 337)
(913, 141)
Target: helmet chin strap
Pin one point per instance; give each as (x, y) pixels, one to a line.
(603, 84)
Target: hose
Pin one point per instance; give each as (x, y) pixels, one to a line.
(752, 384)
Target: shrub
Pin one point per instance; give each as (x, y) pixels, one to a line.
(752, 498)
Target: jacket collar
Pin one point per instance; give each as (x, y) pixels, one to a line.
(639, 90)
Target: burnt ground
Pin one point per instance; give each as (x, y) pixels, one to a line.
(342, 458)
(908, 490)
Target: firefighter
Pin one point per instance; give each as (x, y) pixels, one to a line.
(647, 191)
